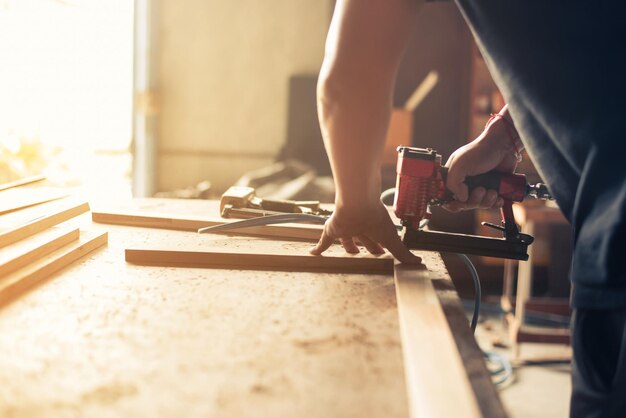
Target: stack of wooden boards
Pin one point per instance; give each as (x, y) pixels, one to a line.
(38, 235)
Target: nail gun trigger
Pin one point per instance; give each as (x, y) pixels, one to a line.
(525, 238)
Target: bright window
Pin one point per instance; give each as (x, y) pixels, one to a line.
(66, 91)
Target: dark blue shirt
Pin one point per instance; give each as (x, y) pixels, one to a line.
(561, 68)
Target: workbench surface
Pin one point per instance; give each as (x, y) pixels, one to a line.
(106, 338)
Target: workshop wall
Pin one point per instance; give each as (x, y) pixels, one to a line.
(223, 71)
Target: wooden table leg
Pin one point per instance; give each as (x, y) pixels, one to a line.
(524, 288)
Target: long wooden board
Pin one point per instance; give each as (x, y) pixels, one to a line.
(21, 182)
(437, 383)
(24, 252)
(262, 261)
(15, 284)
(60, 213)
(471, 354)
(294, 232)
(16, 199)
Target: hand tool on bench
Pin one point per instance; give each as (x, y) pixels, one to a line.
(277, 218)
(242, 202)
(420, 185)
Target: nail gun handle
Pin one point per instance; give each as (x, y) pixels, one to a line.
(510, 186)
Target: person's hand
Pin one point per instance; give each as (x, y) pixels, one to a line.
(492, 150)
(371, 226)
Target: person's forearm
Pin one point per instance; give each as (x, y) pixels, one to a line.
(354, 122)
(363, 51)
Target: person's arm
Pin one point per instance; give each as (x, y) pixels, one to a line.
(498, 147)
(364, 48)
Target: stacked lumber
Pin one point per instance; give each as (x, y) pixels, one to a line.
(38, 235)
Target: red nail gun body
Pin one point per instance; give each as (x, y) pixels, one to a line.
(421, 183)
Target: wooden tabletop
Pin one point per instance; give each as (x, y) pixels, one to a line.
(106, 338)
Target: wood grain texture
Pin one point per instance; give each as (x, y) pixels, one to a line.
(24, 252)
(16, 199)
(109, 338)
(117, 339)
(471, 354)
(262, 261)
(21, 182)
(15, 284)
(437, 383)
(188, 223)
(44, 220)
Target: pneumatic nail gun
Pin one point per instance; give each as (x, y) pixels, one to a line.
(420, 184)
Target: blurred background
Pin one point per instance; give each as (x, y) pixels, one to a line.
(160, 95)
(186, 98)
(66, 91)
(183, 99)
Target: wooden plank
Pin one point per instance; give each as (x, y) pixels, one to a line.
(143, 220)
(19, 255)
(15, 284)
(288, 231)
(16, 199)
(61, 213)
(21, 182)
(361, 264)
(471, 354)
(437, 383)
